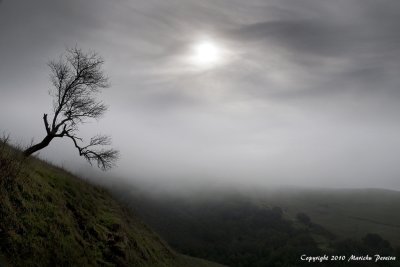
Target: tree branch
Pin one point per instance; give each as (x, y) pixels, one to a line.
(105, 158)
(46, 124)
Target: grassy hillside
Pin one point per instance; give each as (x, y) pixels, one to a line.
(51, 218)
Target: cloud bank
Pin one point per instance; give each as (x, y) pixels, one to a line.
(308, 94)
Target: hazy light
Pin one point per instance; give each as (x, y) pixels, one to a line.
(206, 54)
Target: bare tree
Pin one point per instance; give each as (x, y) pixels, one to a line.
(77, 78)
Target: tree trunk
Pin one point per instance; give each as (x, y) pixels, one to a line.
(45, 142)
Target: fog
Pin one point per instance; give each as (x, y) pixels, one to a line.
(306, 94)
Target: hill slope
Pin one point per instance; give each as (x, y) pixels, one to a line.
(48, 217)
(256, 229)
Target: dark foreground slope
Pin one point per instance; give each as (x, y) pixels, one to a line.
(50, 218)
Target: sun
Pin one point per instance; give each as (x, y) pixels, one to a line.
(206, 54)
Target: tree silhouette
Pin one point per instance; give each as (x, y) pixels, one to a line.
(77, 78)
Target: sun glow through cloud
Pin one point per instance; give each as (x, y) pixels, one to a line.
(206, 54)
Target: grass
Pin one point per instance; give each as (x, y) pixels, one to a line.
(51, 218)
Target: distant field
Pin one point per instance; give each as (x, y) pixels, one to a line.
(345, 212)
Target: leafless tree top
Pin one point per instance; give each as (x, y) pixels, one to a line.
(76, 80)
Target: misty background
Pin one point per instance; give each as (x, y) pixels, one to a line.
(308, 94)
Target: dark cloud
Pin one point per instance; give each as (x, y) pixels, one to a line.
(334, 39)
(346, 47)
(307, 36)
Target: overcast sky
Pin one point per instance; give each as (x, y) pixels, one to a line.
(303, 92)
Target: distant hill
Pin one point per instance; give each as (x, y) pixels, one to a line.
(267, 228)
(48, 217)
(348, 213)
